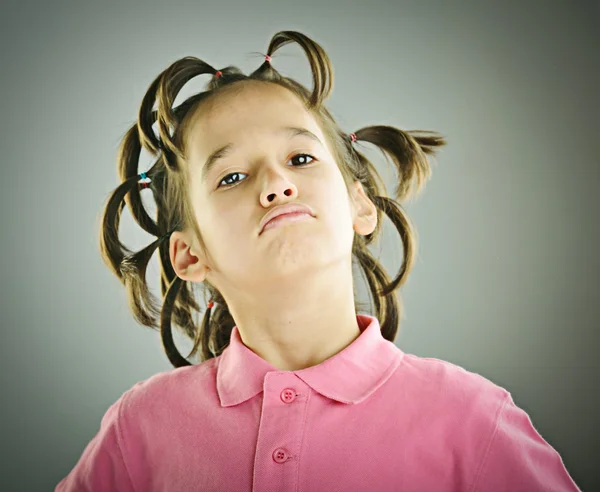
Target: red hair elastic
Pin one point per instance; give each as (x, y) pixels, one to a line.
(220, 74)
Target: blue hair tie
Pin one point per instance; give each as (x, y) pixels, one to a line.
(143, 176)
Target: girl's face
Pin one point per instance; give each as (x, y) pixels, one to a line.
(264, 168)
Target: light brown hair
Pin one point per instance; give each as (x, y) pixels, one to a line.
(408, 150)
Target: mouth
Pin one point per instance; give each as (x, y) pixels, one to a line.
(286, 219)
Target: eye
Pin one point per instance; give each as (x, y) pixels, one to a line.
(301, 164)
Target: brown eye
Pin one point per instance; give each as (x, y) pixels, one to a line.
(229, 185)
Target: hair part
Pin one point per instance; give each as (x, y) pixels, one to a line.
(408, 150)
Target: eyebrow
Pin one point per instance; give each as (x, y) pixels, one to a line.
(289, 131)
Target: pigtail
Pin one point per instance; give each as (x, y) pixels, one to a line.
(320, 66)
(130, 268)
(408, 151)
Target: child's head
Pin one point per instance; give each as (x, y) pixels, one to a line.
(214, 209)
(269, 166)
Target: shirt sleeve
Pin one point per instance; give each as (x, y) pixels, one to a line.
(519, 459)
(101, 467)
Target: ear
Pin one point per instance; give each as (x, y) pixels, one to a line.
(365, 211)
(187, 259)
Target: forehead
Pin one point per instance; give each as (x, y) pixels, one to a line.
(244, 115)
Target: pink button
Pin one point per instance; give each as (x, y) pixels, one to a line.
(280, 455)
(288, 395)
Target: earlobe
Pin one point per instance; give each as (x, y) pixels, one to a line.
(365, 224)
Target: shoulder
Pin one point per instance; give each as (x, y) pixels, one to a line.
(440, 372)
(454, 388)
(167, 388)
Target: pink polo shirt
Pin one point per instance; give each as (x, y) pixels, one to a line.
(370, 418)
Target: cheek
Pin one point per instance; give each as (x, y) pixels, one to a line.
(336, 220)
(232, 227)
(334, 194)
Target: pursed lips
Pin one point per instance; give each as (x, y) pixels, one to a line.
(288, 209)
(284, 215)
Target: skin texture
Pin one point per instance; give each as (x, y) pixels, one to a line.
(290, 289)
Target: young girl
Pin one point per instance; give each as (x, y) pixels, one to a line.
(265, 201)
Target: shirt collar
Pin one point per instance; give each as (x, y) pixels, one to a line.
(350, 376)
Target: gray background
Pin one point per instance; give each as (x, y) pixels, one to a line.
(506, 280)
